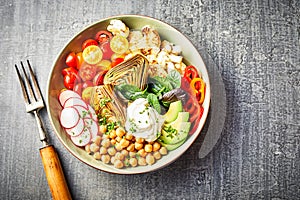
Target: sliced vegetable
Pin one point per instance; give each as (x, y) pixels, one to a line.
(76, 130)
(87, 72)
(83, 139)
(71, 60)
(89, 42)
(69, 81)
(69, 117)
(190, 73)
(106, 50)
(92, 54)
(198, 91)
(99, 77)
(79, 60)
(103, 36)
(116, 61)
(65, 95)
(74, 101)
(119, 44)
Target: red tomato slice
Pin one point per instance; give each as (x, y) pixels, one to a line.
(116, 61)
(88, 42)
(87, 84)
(106, 50)
(68, 70)
(79, 59)
(98, 79)
(69, 81)
(78, 88)
(71, 60)
(103, 36)
(87, 72)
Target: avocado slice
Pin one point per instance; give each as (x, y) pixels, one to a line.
(172, 113)
(176, 133)
(171, 147)
(181, 117)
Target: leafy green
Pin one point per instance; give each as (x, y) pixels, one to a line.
(131, 92)
(153, 101)
(174, 78)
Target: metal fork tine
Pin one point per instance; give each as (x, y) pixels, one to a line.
(36, 86)
(31, 95)
(22, 86)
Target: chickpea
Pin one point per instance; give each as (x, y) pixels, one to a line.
(130, 147)
(118, 139)
(102, 129)
(103, 150)
(148, 148)
(150, 159)
(157, 155)
(118, 164)
(105, 143)
(126, 162)
(113, 141)
(142, 153)
(140, 140)
(97, 140)
(138, 146)
(120, 132)
(111, 151)
(112, 134)
(125, 152)
(163, 151)
(133, 162)
(129, 136)
(142, 161)
(119, 156)
(112, 159)
(124, 143)
(94, 147)
(87, 148)
(105, 158)
(156, 146)
(118, 146)
(132, 154)
(97, 156)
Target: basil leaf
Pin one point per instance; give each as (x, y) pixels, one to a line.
(174, 78)
(153, 101)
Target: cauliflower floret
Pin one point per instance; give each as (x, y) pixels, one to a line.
(166, 46)
(175, 59)
(117, 27)
(176, 49)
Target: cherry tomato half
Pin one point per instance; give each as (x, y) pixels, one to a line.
(78, 88)
(87, 72)
(69, 81)
(103, 36)
(71, 60)
(106, 50)
(68, 70)
(116, 61)
(79, 59)
(88, 42)
(98, 79)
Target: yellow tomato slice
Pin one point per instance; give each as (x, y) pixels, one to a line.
(119, 44)
(92, 54)
(103, 65)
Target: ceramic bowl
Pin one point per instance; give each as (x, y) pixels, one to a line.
(55, 85)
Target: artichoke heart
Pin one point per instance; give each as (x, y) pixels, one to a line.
(104, 97)
(133, 71)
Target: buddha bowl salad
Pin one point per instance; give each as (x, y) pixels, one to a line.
(129, 98)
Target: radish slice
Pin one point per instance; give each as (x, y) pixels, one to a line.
(93, 113)
(74, 101)
(76, 130)
(83, 112)
(69, 117)
(66, 94)
(92, 126)
(83, 139)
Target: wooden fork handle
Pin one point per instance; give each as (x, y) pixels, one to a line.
(54, 173)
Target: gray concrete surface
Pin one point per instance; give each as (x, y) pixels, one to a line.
(256, 47)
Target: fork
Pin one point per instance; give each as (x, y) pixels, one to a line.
(33, 104)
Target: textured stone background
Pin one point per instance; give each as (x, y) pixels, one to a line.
(256, 46)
